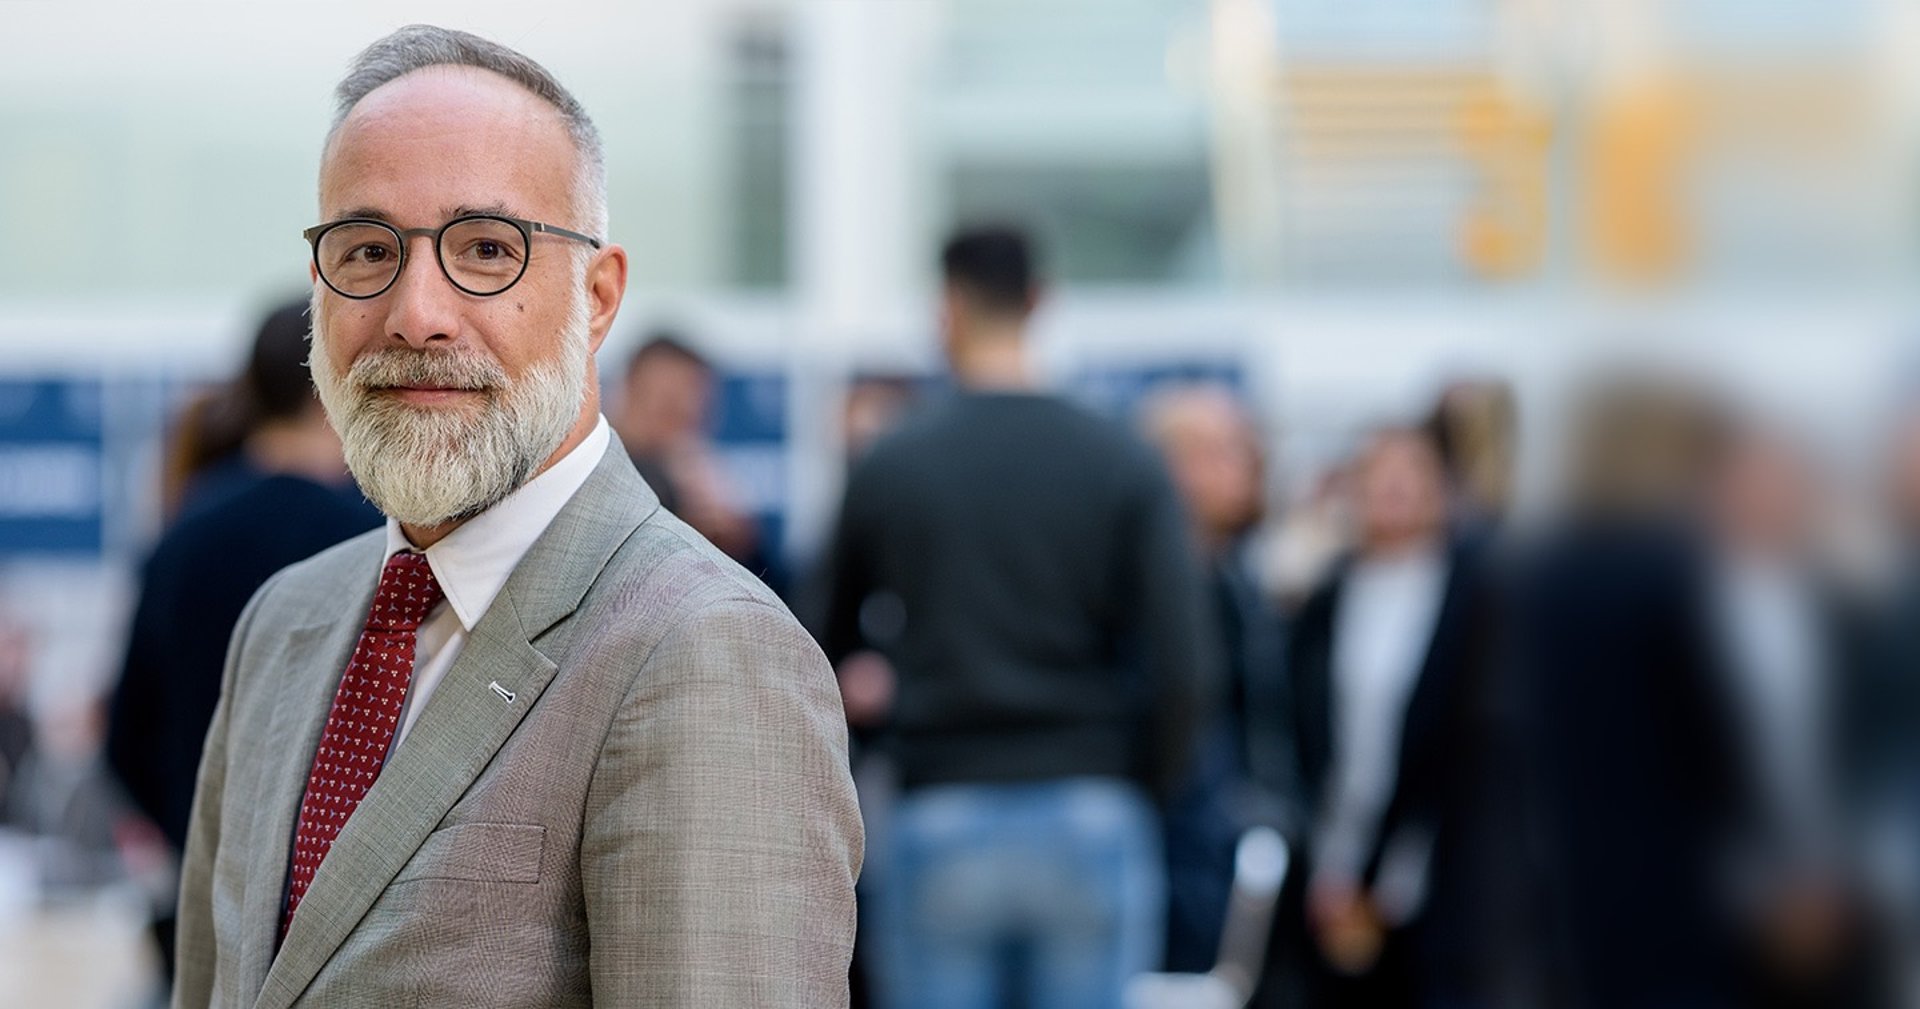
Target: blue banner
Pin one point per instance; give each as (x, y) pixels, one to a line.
(52, 465)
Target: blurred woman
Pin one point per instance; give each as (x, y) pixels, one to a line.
(278, 495)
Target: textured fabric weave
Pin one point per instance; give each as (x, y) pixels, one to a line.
(659, 817)
(365, 714)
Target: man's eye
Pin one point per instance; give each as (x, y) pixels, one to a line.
(483, 250)
(369, 253)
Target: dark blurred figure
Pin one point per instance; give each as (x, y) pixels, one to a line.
(1901, 639)
(1474, 426)
(873, 406)
(1902, 486)
(664, 405)
(216, 447)
(1386, 662)
(666, 408)
(1023, 567)
(282, 497)
(202, 460)
(66, 797)
(1814, 726)
(1243, 764)
(16, 725)
(1639, 784)
(1898, 808)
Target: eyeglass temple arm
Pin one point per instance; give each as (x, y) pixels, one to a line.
(564, 233)
(313, 233)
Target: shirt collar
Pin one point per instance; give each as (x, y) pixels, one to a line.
(473, 561)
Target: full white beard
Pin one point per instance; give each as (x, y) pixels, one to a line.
(426, 467)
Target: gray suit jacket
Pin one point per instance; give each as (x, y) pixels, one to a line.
(661, 816)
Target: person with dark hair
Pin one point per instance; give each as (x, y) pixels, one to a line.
(1817, 726)
(666, 395)
(534, 742)
(1243, 768)
(1473, 423)
(1024, 568)
(1385, 667)
(220, 442)
(281, 496)
(664, 417)
(989, 271)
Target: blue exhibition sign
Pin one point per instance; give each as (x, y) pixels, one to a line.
(52, 464)
(1119, 391)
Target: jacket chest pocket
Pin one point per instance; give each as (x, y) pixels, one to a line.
(479, 853)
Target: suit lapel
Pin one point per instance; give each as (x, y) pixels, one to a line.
(464, 723)
(1436, 690)
(321, 651)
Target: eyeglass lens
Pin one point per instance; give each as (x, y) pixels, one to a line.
(481, 255)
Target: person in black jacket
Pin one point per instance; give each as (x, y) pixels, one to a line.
(665, 419)
(1633, 756)
(281, 498)
(1243, 766)
(1023, 567)
(1816, 725)
(1385, 667)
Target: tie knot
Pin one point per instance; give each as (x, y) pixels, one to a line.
(407, 591)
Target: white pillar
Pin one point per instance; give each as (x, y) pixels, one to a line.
(856, 252)
(859, 261)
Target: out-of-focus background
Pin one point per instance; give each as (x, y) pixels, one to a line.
(1554, 233)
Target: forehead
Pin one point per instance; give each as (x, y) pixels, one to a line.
(667, 367)
(1399, 451)
(448, 137)
(1209, 418)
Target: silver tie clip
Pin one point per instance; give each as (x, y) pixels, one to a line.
(505, 694)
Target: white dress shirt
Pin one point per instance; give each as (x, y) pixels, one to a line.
(473, 561)
(1769, 625)
(1382, 630)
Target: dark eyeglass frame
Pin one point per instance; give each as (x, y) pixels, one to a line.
(527, 230)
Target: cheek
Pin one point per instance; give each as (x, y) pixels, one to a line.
(518, 334)
(342, 331)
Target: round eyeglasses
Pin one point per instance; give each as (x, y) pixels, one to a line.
(481, 254)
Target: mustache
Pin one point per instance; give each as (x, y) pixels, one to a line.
(385, 369)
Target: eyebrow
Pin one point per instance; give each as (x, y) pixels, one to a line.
(373, 213)
(468, 210)
(447, 213)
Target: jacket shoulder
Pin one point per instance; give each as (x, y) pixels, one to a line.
(669, 562)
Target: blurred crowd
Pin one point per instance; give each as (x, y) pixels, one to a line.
(1648, 742)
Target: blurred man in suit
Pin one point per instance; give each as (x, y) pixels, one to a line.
(664, 419)
(1242, 764)
(576, 756)
(1383, 665)
(1632, 750)
(1816, 726)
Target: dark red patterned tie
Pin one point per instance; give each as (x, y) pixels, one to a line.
(365, 715)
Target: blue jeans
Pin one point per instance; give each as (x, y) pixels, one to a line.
(1048, 895)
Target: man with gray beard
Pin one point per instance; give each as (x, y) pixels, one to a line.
(535, 743)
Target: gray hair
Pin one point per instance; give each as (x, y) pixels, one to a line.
(417, 47)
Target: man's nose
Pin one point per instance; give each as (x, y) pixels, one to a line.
(423, 307)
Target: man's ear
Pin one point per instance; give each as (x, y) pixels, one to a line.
(606, 286)
(954, 309)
